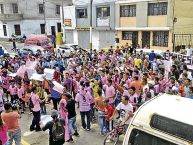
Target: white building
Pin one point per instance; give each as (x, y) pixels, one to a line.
(30, 17)
(77, 23)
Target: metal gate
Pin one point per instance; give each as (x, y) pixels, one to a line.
(181, 41)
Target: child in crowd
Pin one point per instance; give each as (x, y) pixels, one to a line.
(109, 109)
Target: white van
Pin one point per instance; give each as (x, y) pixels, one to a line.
(164, 120)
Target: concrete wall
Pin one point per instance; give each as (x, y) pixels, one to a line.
(85, 22)
(184, 13)
(26, 27)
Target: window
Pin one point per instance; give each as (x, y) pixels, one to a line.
(103, 12)
(4, 30)
(128, 11)
(41, 8)
(17, 29)
(81, 13)
(42, 28)
(15, 8)
(1, 8)
(58, 9)
(173, 127)
(139, 137)
(127, 35)
(157, 8)
(160, 38)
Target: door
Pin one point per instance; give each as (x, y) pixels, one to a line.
(42, 28)
(53, 30)
(135, 39)
(4, 30)
(145, 39)
(59, 27)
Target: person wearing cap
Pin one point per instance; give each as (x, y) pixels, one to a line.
(49, 125)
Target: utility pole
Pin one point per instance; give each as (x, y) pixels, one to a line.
(91, 3)
(44, 7)
(63, 24)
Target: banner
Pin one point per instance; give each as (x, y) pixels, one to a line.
(37, 77)
(21, 71)
(188, 59)
(58, 87)
(49, 73)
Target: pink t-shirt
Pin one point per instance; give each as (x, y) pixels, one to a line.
(156, 88)
(5, 82)
(3, 133)
(84, 100)
(104, 80)
(109, 92)
(36, 102)
(20, 92)
(12, 90)
(11, 120)
(162, 85)
(133, 99)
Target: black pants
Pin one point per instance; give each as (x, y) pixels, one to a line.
(84, 123)
(51, 142)
(55, 103)
(36, 121)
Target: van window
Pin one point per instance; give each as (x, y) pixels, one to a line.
(173, 127)
(138, 137)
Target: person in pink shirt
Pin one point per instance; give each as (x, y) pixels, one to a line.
(133, 98)
(5, 83)
(63, 113)
(156, 86)
(109, 91)
(13, 94)
(83, 98)
(3, 132)
(11, 119)
(162, 82)
(36, 110)
(20, 94)
(103, 77)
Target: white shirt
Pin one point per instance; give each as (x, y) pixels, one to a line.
(124, 110)
(189, 51)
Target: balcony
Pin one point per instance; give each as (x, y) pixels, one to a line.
(11, 17)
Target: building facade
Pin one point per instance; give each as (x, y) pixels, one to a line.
(103, 23)
(152, 23)
(27, 17)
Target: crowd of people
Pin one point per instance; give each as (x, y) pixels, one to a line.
(107, 86)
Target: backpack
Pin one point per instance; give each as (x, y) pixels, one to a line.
(58, 131)
(31, 105)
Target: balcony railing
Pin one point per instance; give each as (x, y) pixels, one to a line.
(11, 17)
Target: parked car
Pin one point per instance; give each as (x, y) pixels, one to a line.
(26, 50)
(39, 40)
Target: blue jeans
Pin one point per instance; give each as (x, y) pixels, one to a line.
(16, 136)
(84, 123)
(72, 125)
(101, 120)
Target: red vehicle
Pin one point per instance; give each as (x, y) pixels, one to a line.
(39, 40)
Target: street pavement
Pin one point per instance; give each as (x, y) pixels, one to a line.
(92, 137)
